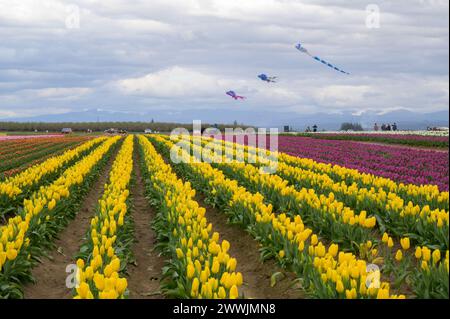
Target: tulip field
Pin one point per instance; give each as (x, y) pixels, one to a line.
(154, 216)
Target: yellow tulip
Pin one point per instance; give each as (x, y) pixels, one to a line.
(418, 252)
(349, 294)
(239, 279)
(383, 293)
(234, 294)
(83, 290)
(89, 273)
(222, 293)
(190, 271)
(121, 285)
(436, 256)
(390, 242)
(99, 281)
(51, 204)
(203, 276)
(225, 246)
(215, 267)
(231, 265)
(80, 264)
(115, 264)
(424, 265)
(333, 250)
(399, 255)
(314, 240)
(194, 288)
(11, 254)
(405, 243)
(426, 253)
(301, 246)
(339, 287)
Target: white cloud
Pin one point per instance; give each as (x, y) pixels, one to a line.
(62, 92)
(342, 95)
(173, 82)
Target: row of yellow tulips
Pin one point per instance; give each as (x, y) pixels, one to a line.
(43, 215)
(327, 272)
(99, 270)
(200, 265)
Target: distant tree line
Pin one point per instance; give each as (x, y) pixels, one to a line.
(102, 126)
(347, 126)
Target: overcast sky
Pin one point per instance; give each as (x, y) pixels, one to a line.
(138, 56)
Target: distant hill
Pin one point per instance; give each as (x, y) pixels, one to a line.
(405, 119)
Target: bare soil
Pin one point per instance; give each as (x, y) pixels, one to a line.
(144, 275)
(257, 274)
(51, 274)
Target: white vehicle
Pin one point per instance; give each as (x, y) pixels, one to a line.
(148, 131)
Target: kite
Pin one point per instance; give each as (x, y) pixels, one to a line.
(268, 79)
(235, 96)
(303, 50)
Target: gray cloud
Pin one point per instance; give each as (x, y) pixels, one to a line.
(184, 54)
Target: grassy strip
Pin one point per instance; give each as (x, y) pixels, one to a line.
(377, 139)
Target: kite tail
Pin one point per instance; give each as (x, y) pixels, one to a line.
(329, 65)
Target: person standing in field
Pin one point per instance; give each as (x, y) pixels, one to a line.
(315, 128)
(375, 127)
(394, 126)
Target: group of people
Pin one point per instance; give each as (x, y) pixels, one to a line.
(385, 127)
(314, 129)
(437, 129)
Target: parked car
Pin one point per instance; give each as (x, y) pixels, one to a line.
(111, 131)
(66, 130)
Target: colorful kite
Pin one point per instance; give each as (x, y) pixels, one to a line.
(235, 96)
(303, 50)
(268, 79)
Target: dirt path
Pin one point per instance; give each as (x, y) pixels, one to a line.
(257, 275)
(416, 148)
(144, 276)
(51, 273)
